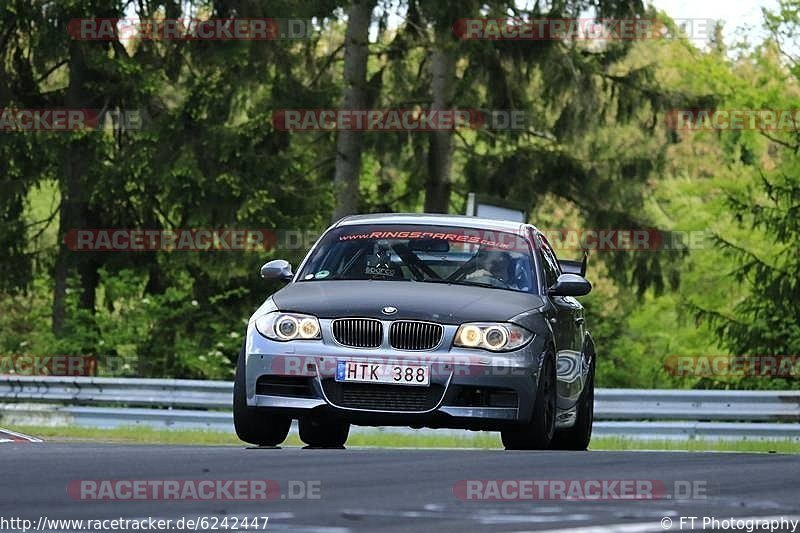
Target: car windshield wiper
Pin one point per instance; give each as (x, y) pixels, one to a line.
(468, 283)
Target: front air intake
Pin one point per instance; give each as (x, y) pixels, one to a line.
(415, 336)
(358, 332)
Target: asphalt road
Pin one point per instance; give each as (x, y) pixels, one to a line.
(401, 490)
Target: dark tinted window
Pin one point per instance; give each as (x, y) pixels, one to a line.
(549, 263)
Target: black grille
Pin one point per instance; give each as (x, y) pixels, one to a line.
(407, 335)
(476, 396)
(291, 386)
(358, 332)
(383, 397)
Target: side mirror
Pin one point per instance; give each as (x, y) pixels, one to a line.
(277, 269)
(570, 285)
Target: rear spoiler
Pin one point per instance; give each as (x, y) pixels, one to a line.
(574, 267)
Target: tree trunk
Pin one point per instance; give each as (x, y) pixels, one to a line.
(350, 143)
(73, 204)
(440, 153)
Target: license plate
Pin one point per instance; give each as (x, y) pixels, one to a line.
(395, 373)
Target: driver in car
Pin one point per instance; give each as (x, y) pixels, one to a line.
(491, 269)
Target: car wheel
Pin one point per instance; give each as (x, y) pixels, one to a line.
(255, 425)
(319, 433)
(538, 433)
(578, 436)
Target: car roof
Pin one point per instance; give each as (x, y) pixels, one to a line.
(431, 219)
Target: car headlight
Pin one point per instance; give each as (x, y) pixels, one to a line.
(280, 326)
(495, 337)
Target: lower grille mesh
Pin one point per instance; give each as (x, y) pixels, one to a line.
(383, 397)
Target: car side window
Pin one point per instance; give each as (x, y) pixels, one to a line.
(549, 263)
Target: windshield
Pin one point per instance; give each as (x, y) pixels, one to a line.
(430, 254)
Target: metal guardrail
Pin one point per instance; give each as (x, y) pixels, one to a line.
(634, 413)
(697, 405)
(176, 393)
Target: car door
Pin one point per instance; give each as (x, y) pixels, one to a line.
(567, 316)
(576, 309)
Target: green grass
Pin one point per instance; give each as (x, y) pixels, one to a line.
(780, 446)
(144, 435)
(385, 439)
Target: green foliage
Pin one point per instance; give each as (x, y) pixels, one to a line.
(763, 254)
(594, 153)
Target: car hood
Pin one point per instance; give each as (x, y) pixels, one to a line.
(448, 304)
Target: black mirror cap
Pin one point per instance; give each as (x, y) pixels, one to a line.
(569, 266)
(570, 285)
(278, 269)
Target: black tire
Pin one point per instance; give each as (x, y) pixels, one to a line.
(255, 425)
(578, 436)
(320, 433)
(538, 433)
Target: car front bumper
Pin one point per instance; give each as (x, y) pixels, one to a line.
(470, 389)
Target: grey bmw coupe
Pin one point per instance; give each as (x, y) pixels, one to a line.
(425, 321)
